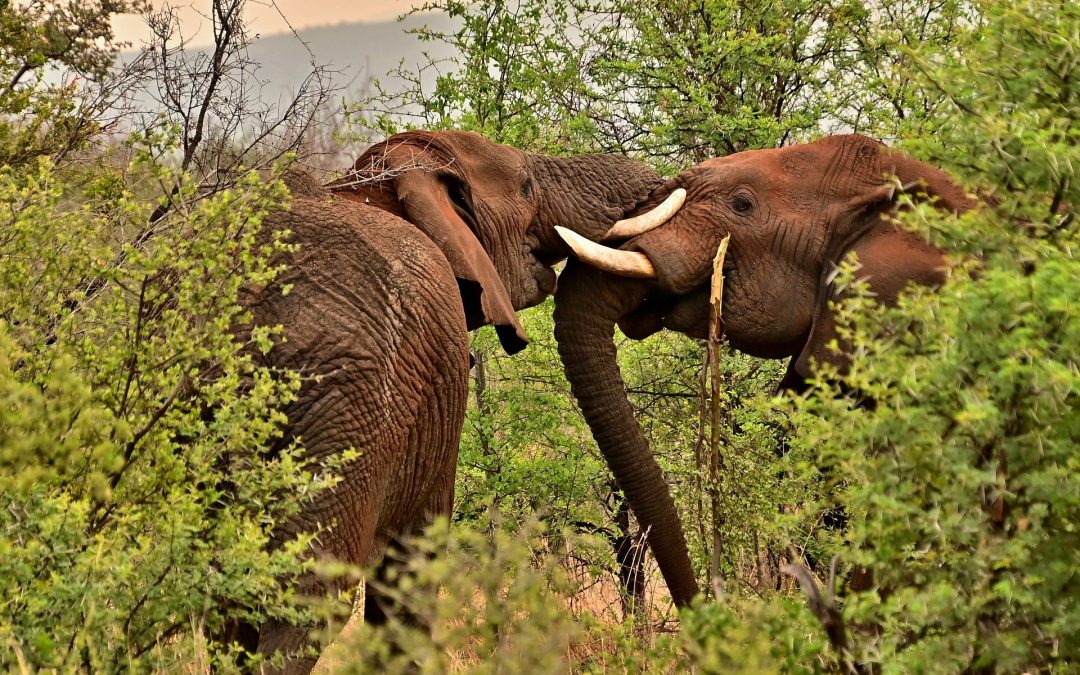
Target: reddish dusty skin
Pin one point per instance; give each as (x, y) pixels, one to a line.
(444, 232)
(507, 200)
(792, 213)
(376, 328)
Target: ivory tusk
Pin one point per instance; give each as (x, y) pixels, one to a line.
(632, 227)
(622, 263)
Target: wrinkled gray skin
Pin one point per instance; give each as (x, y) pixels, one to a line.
(509, 200)
(792, 213)
(444, 232)
(375, 314)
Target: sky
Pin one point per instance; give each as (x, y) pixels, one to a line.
(265, 17)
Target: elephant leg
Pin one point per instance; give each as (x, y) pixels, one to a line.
(292, 642)
(353, 540)
(380, 600)
(296, 642)
(430, 460)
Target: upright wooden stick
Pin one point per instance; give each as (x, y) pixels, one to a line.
(716, 334)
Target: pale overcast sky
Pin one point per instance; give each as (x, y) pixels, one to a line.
(265, 16)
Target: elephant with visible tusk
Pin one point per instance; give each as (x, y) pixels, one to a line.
(430, 235)
(793, 214)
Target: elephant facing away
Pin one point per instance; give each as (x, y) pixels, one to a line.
(431, 235)
(375, 326)
(793, 214)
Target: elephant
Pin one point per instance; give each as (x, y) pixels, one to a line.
(793, 214)
(431, 234)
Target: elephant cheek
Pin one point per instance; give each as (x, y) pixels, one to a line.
(679, 268)
(766, 329)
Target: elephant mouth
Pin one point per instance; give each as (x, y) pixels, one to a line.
(534, 288)
(546, 281)
(665, 305)
(618, 260)
(688, 313)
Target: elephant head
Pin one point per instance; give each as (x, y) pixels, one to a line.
(492, 209)
(792, 213)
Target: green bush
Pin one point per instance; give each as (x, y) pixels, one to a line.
(478, 600)
(960, 483)
(135, 502)
(137, 491)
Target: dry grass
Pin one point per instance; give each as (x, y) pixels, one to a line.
(596, 607)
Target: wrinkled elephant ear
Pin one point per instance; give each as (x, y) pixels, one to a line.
(486, 300)
(889, 257)
(919, 177)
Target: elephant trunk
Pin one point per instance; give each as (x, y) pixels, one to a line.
(586, 193)
(587, 305)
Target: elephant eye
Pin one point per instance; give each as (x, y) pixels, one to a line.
(527, 187)
(742, 203)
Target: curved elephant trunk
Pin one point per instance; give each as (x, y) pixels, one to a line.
(587, 305)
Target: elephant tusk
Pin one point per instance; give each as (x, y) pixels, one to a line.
(622, 263)
(632, 227)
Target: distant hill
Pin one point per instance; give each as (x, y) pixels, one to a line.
(360, 50)
(356, 52)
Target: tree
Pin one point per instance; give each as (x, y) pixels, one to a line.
(514, 79)
(693, 80)
(42, 117)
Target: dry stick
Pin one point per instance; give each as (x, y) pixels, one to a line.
(823, 607)
(699, 454)
(716, 333)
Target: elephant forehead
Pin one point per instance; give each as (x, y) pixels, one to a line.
(790, 170)
(479, 157)
(729, 172)
(801, 163)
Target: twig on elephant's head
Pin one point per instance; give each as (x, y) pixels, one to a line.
(378, 169)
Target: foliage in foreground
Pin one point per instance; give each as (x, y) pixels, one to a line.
(137, 494)
(495, 600)
(960, 482)
(135, 503)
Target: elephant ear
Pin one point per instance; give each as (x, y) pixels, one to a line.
(919, 177)
(889, 257)
(427, 205)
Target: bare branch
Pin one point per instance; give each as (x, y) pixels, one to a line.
(824, 608)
